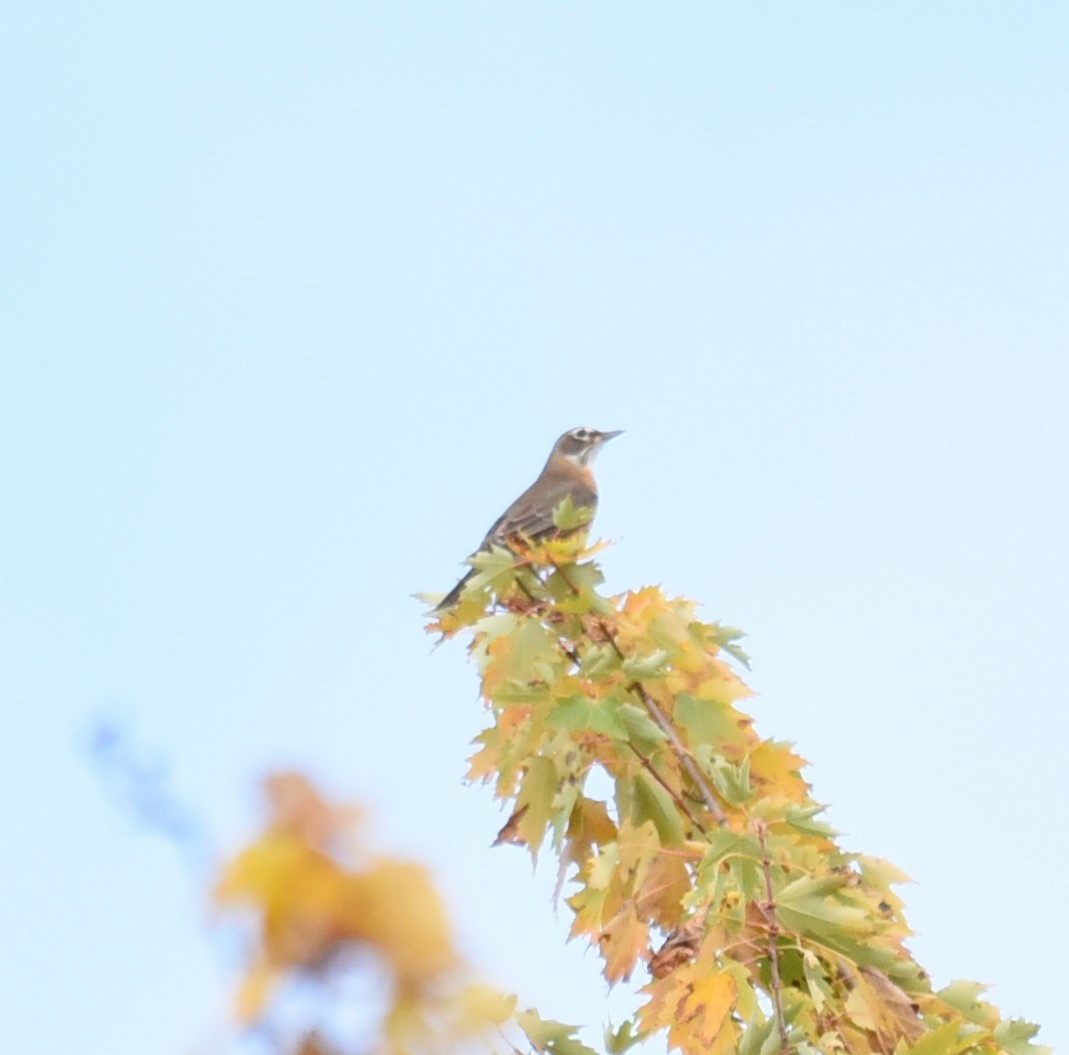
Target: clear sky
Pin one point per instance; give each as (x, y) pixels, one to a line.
(296, 298)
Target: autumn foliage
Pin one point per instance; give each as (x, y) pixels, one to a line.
(322, 906)
(705, 872)
(691, 854)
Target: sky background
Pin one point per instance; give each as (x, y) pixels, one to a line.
(296, 299)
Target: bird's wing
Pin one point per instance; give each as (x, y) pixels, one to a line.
(531, 515)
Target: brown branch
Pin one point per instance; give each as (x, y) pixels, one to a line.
(769, 909)
(685, 757)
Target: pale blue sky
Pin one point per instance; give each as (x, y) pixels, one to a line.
(297, 298)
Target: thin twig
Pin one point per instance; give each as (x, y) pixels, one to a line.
(523, 586)
(680, 748)
(773, 938)
(685, 757)
(567, 582)
(669, 730)
(648, 766)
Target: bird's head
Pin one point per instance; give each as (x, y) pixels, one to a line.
(581, 445)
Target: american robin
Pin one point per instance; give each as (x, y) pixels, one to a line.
(565, 475)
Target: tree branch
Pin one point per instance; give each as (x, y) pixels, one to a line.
(769, 909)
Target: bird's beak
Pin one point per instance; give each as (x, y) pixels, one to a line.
(611, 435)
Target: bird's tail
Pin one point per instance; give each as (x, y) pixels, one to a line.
(453, 596)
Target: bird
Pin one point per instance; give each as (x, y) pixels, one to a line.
(566, 475)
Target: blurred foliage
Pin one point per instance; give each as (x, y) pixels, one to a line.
(320, 906)
(709, 865)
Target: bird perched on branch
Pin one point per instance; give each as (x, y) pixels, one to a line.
(566, 475)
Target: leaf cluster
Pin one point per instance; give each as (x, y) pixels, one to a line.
(708, 864)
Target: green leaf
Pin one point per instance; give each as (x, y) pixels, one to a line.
(727, 638)
(581, 712)
(563, 803)
(599, 661)
(943, 1040)
(880, 872)
(964, 996)
(758, 1030)
(549, 1036)
(643, 668)
(706, 722)
(699, 719)
(740, 853)
(653, 803)
(817, 982)
(732, 782)
(641, 728)
(604, 867)
(1015, 1036)
(567, 516)
(533, 650)
(584, 577)
(495, 567)
(822, 917)
(537, 792)
(625, 1037)
(514, 691)
(810, 886)
(800, 818)
(863, 953)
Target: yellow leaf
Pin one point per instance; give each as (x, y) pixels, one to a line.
(622, 941)
(693, 1003)
(395, 907)
(705, 1007)
(777, 770)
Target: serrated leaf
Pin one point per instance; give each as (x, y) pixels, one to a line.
(581, 712)
(1015, 1036)
(706, 1006)
(708, 722)
(624, 1038)
(621, 942)
(568, 517)
(817, 982)
(537, 791)
(801, 819)
(699, 719)
(728, 638)
(883, 873)
(810, 886)
(758, 1030)
(643, 668)
(599, 661)
(732, 782)
(822, 917)
(641, 728)
(493, 567)
(549, 1036)
(653, 803)
(964, 996)
(941, 1041)
(740, 853)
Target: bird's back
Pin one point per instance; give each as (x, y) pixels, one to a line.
(531, 515)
